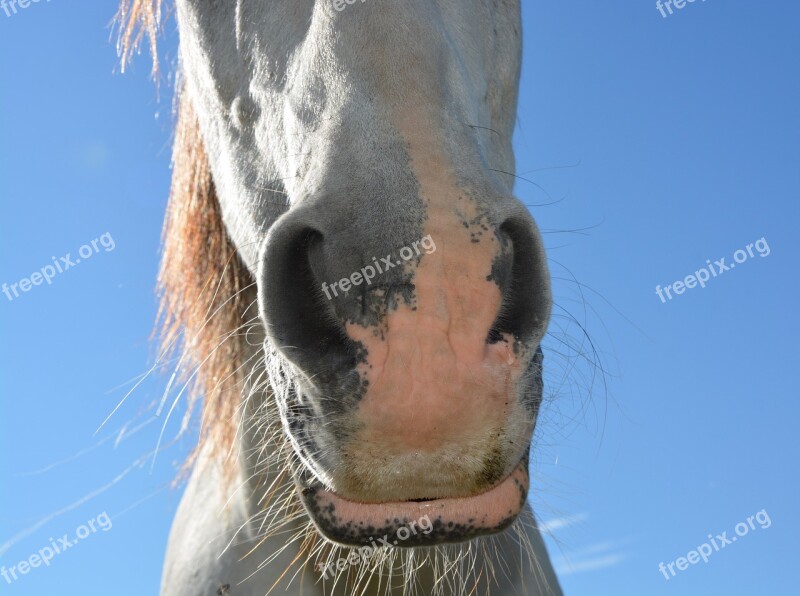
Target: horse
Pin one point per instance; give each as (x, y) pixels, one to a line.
(357, 297)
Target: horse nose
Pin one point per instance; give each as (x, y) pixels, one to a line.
(320, 281)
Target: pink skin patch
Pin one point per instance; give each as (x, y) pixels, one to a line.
(440, 417)
(451, 520)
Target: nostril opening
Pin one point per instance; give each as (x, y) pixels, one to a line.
(522, 276)
(301, 322)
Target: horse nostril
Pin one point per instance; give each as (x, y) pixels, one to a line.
(520, 271)
(301, 324)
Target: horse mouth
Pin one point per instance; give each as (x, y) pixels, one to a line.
(419, 522)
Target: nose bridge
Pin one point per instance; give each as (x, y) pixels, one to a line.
(384, 51)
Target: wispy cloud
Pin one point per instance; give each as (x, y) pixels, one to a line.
(594, 557)
(550, 526)
(593, 564)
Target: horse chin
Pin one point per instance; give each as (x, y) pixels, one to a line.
(416, 523)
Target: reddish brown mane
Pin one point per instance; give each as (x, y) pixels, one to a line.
(203, 286)
(137, 18)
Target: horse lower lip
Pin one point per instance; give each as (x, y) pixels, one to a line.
(445, 520)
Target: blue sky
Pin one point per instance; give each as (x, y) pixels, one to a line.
(664, 141)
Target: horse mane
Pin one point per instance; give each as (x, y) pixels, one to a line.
(136, 19)
(204, 288)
